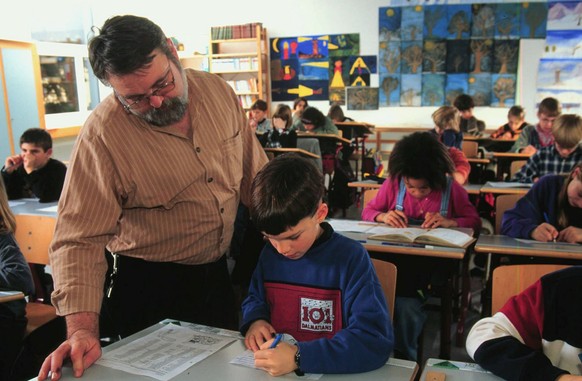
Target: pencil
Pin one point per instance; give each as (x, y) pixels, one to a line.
(547, 219)
(276, 341)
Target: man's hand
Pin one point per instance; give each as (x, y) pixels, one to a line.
(12, 163)
(82, 347)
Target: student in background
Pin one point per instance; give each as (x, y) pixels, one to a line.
(282, 133)
(306, 270)
(258, 120)
(536, 335)
(561, 156)
(336, 114)
(316, 123)
(299, 105)
(469, 124)
(446, 120)
(33, 173)
(532, 138)
(418, 191)
(15, 275)
(551, 210)
(515, 124)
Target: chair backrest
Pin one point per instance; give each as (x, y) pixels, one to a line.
(387, 272)
(502, 203)
(34, 235)
(470, 149)
(369, 194)
(510, 280)
(515, 166)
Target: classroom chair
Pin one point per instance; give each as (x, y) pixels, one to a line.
(387, 272)
(515, 166)
(502, 203)
(369, 195)
(470, 149)
(510, 280)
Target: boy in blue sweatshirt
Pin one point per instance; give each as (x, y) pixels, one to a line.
(310, 282)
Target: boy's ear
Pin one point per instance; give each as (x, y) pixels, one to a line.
(322, 211)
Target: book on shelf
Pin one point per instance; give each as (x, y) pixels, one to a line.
(438, 236)
(231, 32)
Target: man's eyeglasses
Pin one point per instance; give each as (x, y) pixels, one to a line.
(141, 100)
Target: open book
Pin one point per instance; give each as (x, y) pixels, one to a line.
(506, 184)
(438, 236)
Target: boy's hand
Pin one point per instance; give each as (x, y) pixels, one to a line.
(434, 220)
(394, 218)
(529, 150)
(276, 361)
(544, 233)
(571, 234)
(12, 163)
(259, 332)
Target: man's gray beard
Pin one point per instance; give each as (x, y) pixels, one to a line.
(171, 111)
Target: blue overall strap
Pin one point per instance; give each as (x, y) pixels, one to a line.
(400, 197)
(446, 196)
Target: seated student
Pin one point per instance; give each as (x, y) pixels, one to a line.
(282, 134)
(551, 210)
(532, 138)
(537, 334)
(446, 121)
(561, 156)
(336, 114)
(311, 282)
(515, 124)
(34, 173)
(469, 124)
(299, 105)
(258, 119)
(418, 191)
(15, 275)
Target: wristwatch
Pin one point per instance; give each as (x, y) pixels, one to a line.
(298, 371)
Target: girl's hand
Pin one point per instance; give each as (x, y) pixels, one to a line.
(544, 233)
(394, 218)
(259, 332)
(571, 234)
(435, 220)
(276, 361)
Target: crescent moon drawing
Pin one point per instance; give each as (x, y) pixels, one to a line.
(275, 43)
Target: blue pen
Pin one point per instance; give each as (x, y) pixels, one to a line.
(276, 341)
(547, 219)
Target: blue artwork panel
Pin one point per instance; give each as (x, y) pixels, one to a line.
(389, 57)
(312, 47)
(507, 20)
(503, 90)
(412, 23)
(313, 69)
(433, 89)
(285, 70)
(410, 90)
(389, 23)
(481, 55)
(456, 84)
(363, 64)
(389, 90)
(411, 57)
(565, 73)
(339, 71)
(564, 15)
(434, 56)
(341, 45)
(362, 98)
(459, 21)
(283, 48)
(480, 89)
(435, 22)
(483, 21)
(457, 53)
(533, 20)
(505, 56)
(563, 43)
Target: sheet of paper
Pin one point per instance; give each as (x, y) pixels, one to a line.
(248, 359)
(350, 225)
(12, 204)
(164, 353)
(505, 184)
(49, 209)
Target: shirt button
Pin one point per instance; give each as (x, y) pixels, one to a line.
(198, 149)
(221, 210)
(210, 179)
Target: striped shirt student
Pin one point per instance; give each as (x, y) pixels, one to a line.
(558, 158)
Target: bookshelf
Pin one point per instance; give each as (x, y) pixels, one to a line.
(240, 55)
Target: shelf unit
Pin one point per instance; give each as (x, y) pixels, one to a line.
(244, 64)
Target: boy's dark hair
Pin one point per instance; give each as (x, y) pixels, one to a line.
(336, 113)
(421, 156)
(550, 107)
(259, 104)
(464, 102)
(124, 45)
(516, 111)
(287, 189)
(300, 99)
(311, 115)
(38, 137)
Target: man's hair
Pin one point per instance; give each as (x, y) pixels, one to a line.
(38, 137)
(567, 130)
(298, 100)
(464, 102)
(421, 156)
(447, 118)
(287, 189)
(125, 44)
(311, 115)
(516, 111)
(259, 104)
(550, 107)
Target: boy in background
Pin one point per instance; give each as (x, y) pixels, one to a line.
(561, 156)
(469, 124)
(310, 282)
(33, 173)
(515, 123)
(532, 138)
(258, 119)
(299, 104)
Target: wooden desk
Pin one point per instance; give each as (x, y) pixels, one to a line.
(473, 189)
(217, 367)
(336, 138)
(365, 184)
(504, 160)
(279, 151)
(8, 296)
(500, 244)
(499, 191)
(457, 371)
(478, 160)
(451, 257)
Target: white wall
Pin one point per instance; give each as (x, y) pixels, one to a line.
(282, 19)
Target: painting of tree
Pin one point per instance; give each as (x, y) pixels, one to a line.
(412, 23)
(533, 19)
(507, 18)
(411, 57)
(389, 57)
(435, 22)
(362, 98)
(390, 90)
(505, 56)
(481, 57)
(433, 89)
(483, 20)
(456, 84)
(459, 26)
(389, 23)
(434, 56)
(458, 56)
(503, 94)
(410, 90)
(480, 89)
